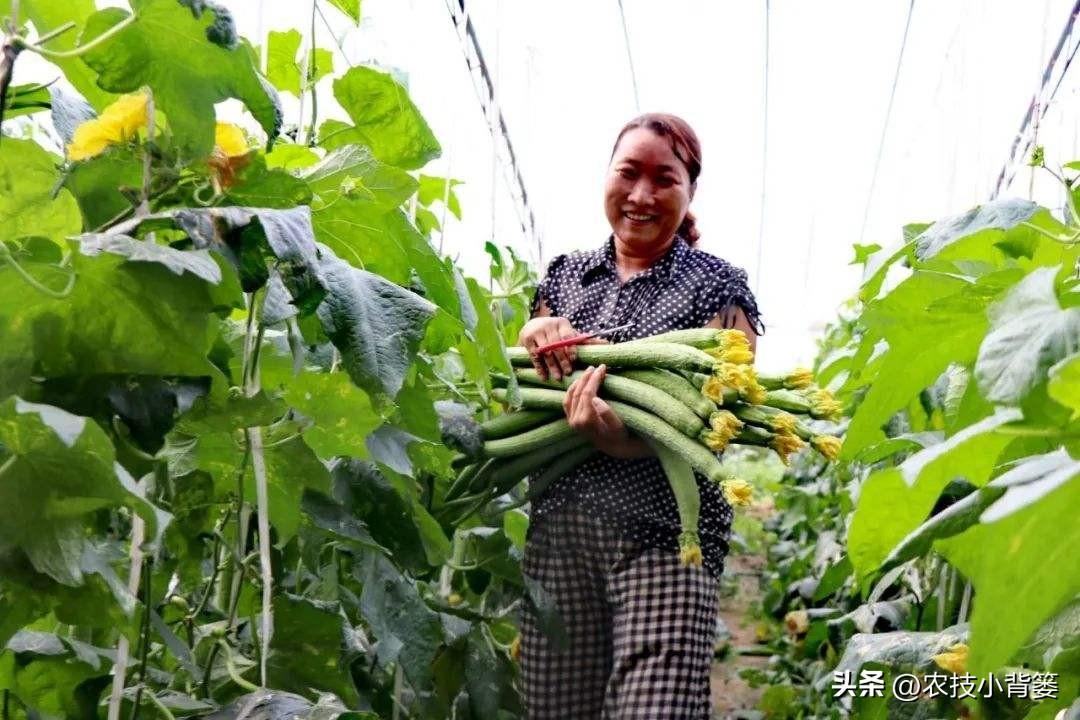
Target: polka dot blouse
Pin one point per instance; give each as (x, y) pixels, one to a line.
(686, 288)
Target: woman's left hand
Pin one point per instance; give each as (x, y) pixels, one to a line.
(590, 415)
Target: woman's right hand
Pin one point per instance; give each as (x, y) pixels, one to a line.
(541, 331)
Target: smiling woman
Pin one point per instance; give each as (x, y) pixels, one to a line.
(603, 537)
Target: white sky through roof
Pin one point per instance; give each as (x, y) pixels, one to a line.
(563, 81)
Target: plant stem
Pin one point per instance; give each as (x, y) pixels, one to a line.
(145, 640)
(160, 706)
(253, 436)
(138, 535)
(231, 669)
(82, 49)
(311, 79)
(6, 256)
(53, 34)
(217, 563)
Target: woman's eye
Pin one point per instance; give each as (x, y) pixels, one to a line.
(626, 173)
(665, 181)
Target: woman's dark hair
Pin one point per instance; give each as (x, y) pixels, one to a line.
(685, 145)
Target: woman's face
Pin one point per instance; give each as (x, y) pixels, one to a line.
(647, 190)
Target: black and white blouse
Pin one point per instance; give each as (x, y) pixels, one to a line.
(686, 288)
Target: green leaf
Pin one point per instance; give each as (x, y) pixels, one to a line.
(1029, 332)
(291, 466)
(306, 649)
(282, 70)
(97, 184)
(25, 100)
(1028, 553)
(900, 649)
(894, 501)
(28, 175)
(1064, 385)
(349, 7)
(375, 324)
(863, 253)
(1055, 646)
(353, 172)
(384, 118)
(989, 219)
(341, 413)
(392, 513)
(256, 185)
(291, 157)
(489, 676)
(105, 324)
(58, 468)
(48, 15)
(197, 262)
(434, 188)
(950, 309)
(409, 632)
(190, 60)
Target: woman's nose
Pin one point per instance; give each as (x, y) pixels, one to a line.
(641, 193)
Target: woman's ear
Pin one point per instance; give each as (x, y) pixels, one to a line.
(693, 189)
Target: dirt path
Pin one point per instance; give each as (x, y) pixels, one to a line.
(730, 693)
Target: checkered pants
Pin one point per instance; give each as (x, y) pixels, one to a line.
(640, 626)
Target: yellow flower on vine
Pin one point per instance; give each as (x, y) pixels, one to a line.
(117, 123)
(737, 492)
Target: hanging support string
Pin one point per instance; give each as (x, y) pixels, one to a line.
(1038, 105)
(630, 59)
(764, 162)
(500, 133)
(885, 127)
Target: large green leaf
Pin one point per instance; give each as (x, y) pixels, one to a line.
(190, 58)
(912, 364)
(895, 501)
(256, 185)
(990, 219)
(900, 649)
(353, 172)
(376, 325)
(291, 466)
(393, 514)
(349, 7)
(28, 176)
(197, 262)
(98, 184)
(1028, 480)
(1064, 385)
(1029, 332)
(57, 468)
(384, 118)
(1029, 554)
(409, 632)
(434, 188)
(120, 318)
(284, 69)
(341, 413)
(307, 649)
(48, 15)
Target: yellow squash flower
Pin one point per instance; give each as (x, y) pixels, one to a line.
(785, 444)
(828, 445)
(230, 155)
(799, 378)
(954, 659)
(735, 354)
(715, 389)
(229, 140)
(690, 550)
(737, 492)
(117, 123)
(515, 649)
(824, 405)
(783, 422)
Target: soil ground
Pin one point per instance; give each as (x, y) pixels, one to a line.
(730, 693)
